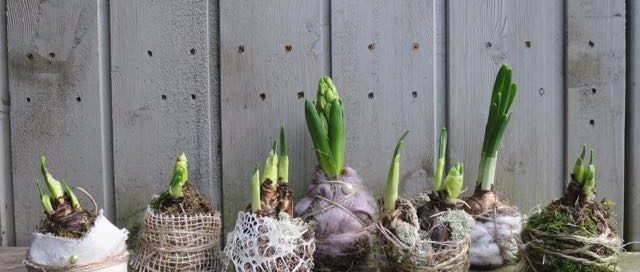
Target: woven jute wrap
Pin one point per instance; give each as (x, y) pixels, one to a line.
(265, 244)
(178, 243)
(102, 249)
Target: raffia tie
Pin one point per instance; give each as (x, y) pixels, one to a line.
(114, 260)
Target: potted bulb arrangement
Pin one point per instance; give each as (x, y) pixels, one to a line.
(181, 228)
(267, 237)
(337, 204)
(72, 238)
(433, 237)
(575, 232)
(495, 237)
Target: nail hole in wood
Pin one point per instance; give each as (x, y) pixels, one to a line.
(541, 91)
(193, 97)
(288, 48)
(164, 97)
(591, 44)
(593, 90)
(241, 49)
(371, 46)
(488, 44)
(414, 94)
(300, 94)
(29, 56)
(592, 122)
(52, 55)
(78, 99)
(263, 96)
(28, 100)
(192, 51)
(416, 46)
(370, 95)
(527, 44)
(149, 53)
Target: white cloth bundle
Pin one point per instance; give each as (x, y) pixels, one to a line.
(102, 249)
(495, 240)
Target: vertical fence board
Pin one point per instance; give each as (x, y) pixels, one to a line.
(596, 91)
(383, 62)
(161, 99)
(632, 148)
(271, 56)
(482, 36)
(7, 234)
(55, 101)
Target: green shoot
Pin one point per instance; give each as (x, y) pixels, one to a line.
(453, 182)
(579, 168)
(442, 149)
(283, 162)
(55, 187)
(270, 171)
(255, 190)
(504, 92)
(393, 178)
(74, 200)
(180, 177)
(590, 178)
(45, 200)
(326, 124)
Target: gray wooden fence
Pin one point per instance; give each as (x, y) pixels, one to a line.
(112, 91)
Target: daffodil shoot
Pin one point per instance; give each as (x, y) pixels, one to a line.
(495, 234)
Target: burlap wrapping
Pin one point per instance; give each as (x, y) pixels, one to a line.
(265, 244)
(424, 255)
(178, 243)
(495, 239)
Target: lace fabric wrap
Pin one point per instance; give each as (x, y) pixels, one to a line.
(408, 248)
(495, 239)
(178, 243)
(102, 249)
(343, 213)
(262, 244)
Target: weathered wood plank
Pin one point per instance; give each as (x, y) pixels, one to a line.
(163, 84)
(383, 62)
(595, 70)
(482, 36)
(7, 234)
(632, 148)
(272, 56)
(55, 102)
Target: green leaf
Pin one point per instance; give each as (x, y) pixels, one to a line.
(393, 178)
(337, 136)
(319, 137)
(255, 190)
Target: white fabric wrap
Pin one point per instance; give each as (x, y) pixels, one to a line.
(103, 241)
(282, 249)
(495, 243)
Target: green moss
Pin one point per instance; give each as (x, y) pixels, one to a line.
(588, 221)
